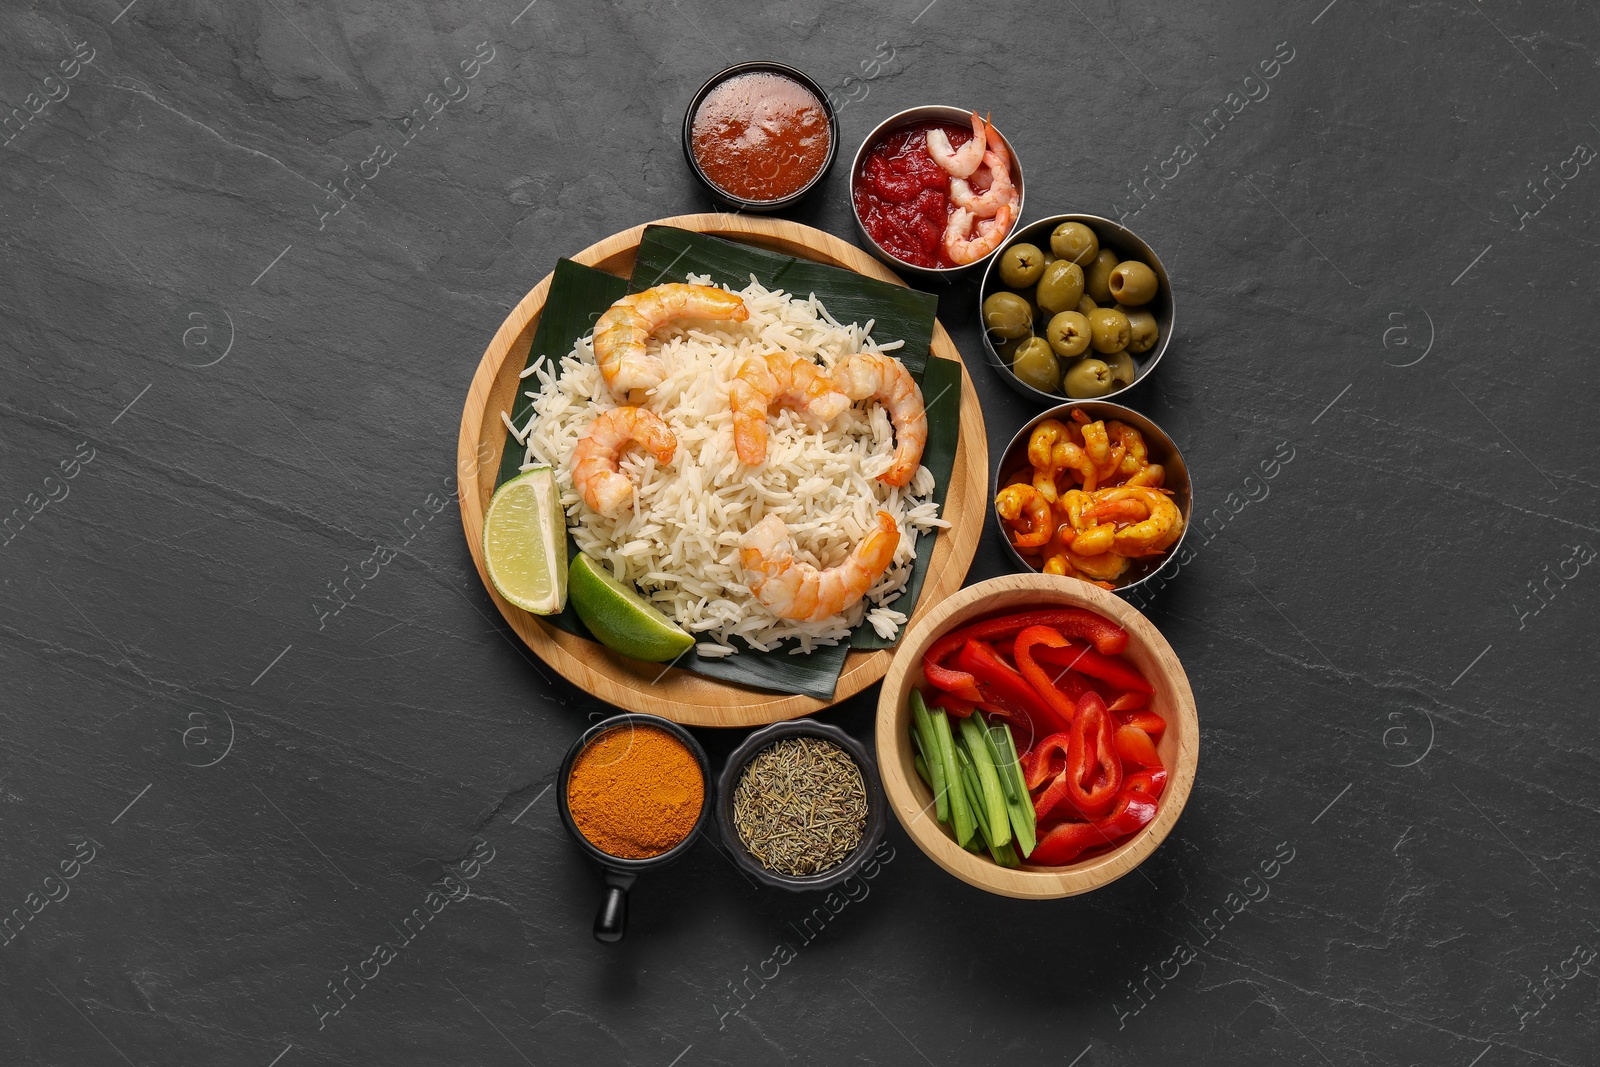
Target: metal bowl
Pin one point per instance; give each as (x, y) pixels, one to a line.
(1112, 235)
(927, 113)
(738, 203)
(1162, 450)
(729, 781)
(611, 921)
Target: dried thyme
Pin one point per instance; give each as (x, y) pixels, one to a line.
(800, 806)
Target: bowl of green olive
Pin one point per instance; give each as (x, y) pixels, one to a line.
(1075, 307)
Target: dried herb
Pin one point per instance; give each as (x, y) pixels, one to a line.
(800, 806)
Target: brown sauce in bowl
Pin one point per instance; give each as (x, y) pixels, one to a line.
(760, 136)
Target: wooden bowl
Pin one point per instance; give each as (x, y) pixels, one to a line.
(683, 697)
(912, 801)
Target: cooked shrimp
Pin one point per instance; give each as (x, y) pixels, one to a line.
(1097, 443)
(865, 376)
(778, 378)
(1152, 474)
(959, 162)
(1107, 567)
(963, 247)
(1028, 512)
(621, 333)
(1156, 532)
(988, 203)
(794, 589)
(595, 473)
(1135, 456)
(1051, 451)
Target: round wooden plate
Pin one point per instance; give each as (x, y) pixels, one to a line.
(680, 695)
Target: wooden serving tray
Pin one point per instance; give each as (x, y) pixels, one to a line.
(645, 687)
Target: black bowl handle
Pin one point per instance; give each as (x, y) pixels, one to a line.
(611, 921)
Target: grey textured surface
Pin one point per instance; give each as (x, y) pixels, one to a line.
(218, 401)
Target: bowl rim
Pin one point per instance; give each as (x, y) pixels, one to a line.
(877, 804)
(634, 718)
(1036, 883)
(992, 355)
(740, 203)
(905, 117)
(1121, 412)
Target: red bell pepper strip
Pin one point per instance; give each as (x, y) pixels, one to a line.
(1064, 706)
(1039, 766)
(1129, 702)
(1135, 746)
(1094, 773)
(1068, 841)
(956, 704)
(1003, 686)
(1151, 781)
(1080, 657)
(1106, 635)
(1146, 720)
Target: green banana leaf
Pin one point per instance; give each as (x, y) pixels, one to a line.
(579, 295)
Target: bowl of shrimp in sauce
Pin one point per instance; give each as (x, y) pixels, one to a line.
(935, 190)
(1096, 491)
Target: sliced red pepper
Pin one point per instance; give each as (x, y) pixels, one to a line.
(1129, 702)
(1040, 766)
(1151, 781)
(1146, 720)
(1002, 685)
(956, 704)
(1064, 706)
(1080, 657)
(1135, 746)
(1065, 843)
(1094, 772)
(1106, 635)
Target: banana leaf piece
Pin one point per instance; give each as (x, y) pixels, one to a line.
(579, 294)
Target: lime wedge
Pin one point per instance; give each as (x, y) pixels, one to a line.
(525, 542)
(620, 618)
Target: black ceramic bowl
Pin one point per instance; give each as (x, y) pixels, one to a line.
(722, 196)
(1127, 245)
(1162, 449)
(729, 781)
(612, 920)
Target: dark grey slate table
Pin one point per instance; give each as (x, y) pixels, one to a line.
(233, 375)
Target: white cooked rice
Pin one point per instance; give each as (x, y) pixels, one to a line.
(678, 544)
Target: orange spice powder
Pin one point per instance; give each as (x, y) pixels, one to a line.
(635, 791)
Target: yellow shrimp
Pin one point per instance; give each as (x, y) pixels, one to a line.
(1050, 451)
(1028, 512)
(1106, 567)
(794, 589)
(1135, 455)
(595, 472)
(778, 378)
(1153, 475)
(865, 376)
(1097, 443)
(621, 334)
(1152, 535)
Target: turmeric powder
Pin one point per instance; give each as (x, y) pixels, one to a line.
(635, 791)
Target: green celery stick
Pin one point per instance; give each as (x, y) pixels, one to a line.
(962, 816)
(922, 727)
(993, 796)
(997, 755)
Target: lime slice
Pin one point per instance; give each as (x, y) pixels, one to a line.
(620, 618)
(525, 542)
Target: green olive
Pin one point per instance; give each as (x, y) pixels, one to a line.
(1007, 316)
(1037, 366)
(1060, 287)
(1108, 330)
(1132, 283)
(1142, 330)
(1086, 305)
(1087, 379)
(1097, 276)
(1068, 333)
(1123, 369)
(1075, 241)
(1021, 265)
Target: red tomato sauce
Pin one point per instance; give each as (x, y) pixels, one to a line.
(903, 197)
(760, 136)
